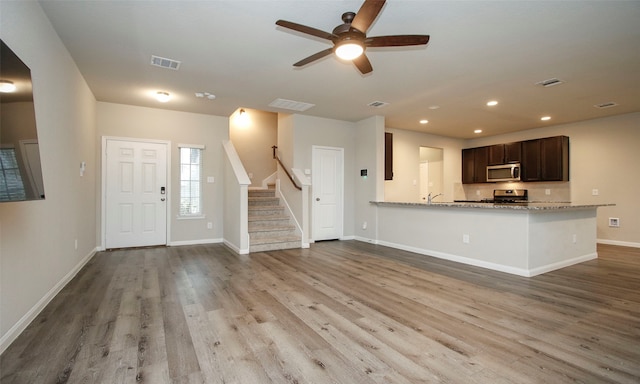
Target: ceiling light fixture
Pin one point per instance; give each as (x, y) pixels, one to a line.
(478, 131)
(492, 103)
(7, 86)
(349, 49)
(242, 119)
(424, 121)
(545, 118)
(163, 97)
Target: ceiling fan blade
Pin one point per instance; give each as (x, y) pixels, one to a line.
(363, 64)
(396, 41)
(308, 30)
(314, 57)
(367, 14)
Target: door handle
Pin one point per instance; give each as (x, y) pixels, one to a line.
(162, 199)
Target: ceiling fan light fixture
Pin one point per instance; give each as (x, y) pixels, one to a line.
(349, 49)
(7, 86)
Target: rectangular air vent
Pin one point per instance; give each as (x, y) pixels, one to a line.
(165, 63)
(550, 82)
(377, 104)
(291, 105)
(606, 105)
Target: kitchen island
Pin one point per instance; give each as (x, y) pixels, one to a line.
(525, 239)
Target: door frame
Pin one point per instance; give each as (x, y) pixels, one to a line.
(103, 184)
(314, 171)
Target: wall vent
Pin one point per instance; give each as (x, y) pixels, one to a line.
(291, 105)
(165, 63)
(550, 82)
(606, 105)
(377, 104)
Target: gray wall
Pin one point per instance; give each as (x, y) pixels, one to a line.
(38, 252)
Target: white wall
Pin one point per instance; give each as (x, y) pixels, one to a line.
(253, 142)
(37, 238)
(309, 131)
(117, 120)
(406, 168)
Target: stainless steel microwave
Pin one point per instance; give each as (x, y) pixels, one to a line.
(503, 172)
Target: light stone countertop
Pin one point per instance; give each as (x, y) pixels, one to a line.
(530, 206)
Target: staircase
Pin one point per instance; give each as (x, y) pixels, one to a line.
(269, 227)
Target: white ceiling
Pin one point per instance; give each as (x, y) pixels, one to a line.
(479, 50)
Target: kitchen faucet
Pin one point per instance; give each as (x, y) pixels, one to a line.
(430, 198)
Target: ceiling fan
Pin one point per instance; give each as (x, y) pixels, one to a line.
(350, 38)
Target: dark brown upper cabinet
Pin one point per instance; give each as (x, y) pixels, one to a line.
(474, 165)
(546, 159)
(504, 153)
(388, 156)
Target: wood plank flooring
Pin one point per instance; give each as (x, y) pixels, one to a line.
(339, 312)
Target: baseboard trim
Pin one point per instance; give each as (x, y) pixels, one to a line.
(236, 249)
(194, 242)
(19, 327)
(484, 264)
(620, 243)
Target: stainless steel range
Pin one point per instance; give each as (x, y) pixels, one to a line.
(510, 196)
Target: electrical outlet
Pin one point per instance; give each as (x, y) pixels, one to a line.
(595, 192)
(547, 192)
(209, 225)
(614, 222)
(76, 244)
(364, 225)
(465, 239)
(575, 238)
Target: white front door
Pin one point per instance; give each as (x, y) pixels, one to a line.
(327, 186)
(136, 194)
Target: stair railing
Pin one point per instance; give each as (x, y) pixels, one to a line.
(284, 168)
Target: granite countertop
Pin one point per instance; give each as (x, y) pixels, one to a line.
(530, 206)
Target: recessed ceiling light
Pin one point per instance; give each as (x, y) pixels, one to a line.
(478, 131)
(163, 97)
(492, 103)
(424, 121)
(434, 107)
(545, 118)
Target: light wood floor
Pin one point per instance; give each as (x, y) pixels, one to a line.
(339, 312)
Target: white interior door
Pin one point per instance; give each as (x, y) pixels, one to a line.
(327, 185)
(136, 194)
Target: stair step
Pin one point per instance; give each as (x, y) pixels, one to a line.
(265, 210)
(262, 193)
(272, 221)
(271, 244)
(260, 201)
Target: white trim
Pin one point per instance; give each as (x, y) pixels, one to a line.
(194, 242)
(19, 327)
(618, 242)
(103, 210)
(196, 146)
(236, 249)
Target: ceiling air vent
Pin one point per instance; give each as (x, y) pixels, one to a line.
(165, 63)
(291, 105)
(550, 82)
(377, 104)
(606, 105)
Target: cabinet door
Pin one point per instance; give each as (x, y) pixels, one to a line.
(513, 152)
(496, 154)
(554, 158)
(530, 161)
(481, 160)
(388, 156)
(468, 168)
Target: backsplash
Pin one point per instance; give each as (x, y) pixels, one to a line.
(558, 191)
